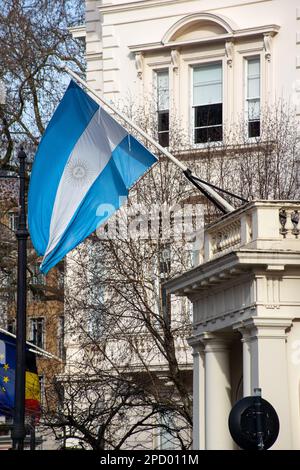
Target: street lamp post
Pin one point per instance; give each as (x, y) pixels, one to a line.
(19, 430)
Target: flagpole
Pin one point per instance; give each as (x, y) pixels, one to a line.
(19, 431)
(209, 192)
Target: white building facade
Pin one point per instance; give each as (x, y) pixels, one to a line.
(218, 57)
(208, 64)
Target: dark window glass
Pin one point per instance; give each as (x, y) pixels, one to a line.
(162, 83)
(253, 96)
(11, 326)
(37, 332)
(163, 121)
(165, 261)
(208, 123)
(208, 134)
(163, 139)
(163, 128)
(209, 115)
(254, 128)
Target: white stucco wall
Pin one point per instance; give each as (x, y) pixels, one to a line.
(112, 28)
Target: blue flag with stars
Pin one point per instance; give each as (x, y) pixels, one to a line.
(7, 374)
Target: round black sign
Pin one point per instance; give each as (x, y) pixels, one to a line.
(253, 423)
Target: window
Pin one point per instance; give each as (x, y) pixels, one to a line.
(207, 103)
(253, 96)
(11, 325)
(13, 219)
(95, 324)
(167, 439)
(162, 84)
(38, 278)
(37, 331)
(165, 261)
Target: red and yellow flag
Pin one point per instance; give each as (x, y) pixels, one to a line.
(32, 386)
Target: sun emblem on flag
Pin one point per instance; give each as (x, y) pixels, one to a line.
(77, 172)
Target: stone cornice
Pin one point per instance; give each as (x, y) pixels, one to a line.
(143, 4)
(78, 32)
(231, 265)
(137, 5)
(234, 35)
(94, 55)
(201, 272)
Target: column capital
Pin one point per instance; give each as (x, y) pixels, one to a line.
(196, 343)
(214, 342)
(244, 330)
(263, 327)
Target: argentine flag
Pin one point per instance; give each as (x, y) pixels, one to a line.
(85, 159)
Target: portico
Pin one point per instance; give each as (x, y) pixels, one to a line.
(246, 319)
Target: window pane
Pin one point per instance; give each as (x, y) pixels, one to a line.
(163, 139)
(167, 439)
(208, 134)
(207, 94)
(162, 90)
(163, 128)
(253, 88)
(254, 67)
(207, 73)
(37, 331)
(207, 84)
(253, 109)
(11, 326)
(163, 121)
(254, 129)
(253, 78)
(208, 115)
(253, 96)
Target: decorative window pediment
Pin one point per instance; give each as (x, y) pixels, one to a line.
(197, 26)
(198, 30)
(204, 28)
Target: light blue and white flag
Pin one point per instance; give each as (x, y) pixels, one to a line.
(85, 159)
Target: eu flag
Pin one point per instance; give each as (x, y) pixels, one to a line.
(7, 374)
(7, 378)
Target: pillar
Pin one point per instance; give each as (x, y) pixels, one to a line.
(246, 341)
(217, 392)
(198, 395)
(269, 370)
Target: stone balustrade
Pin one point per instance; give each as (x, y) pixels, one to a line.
(257, 225)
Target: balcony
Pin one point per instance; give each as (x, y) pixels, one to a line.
(247, 264)
(260, 225)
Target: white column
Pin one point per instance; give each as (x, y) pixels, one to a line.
(198, 396)
(269, 370)
(247, 390)
(246, 341)
(217, 393)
